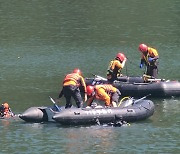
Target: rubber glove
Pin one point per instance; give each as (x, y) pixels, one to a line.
(141, 65)
(150, 59)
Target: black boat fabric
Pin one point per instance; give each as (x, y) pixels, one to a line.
(134, 86)
(143, 109)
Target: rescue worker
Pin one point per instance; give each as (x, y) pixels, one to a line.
(105, 92)
(150, 58)
(115, 67)
(71, 88)
(5, 111)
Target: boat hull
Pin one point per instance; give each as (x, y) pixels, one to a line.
(39, 114)
(136, 88)
(141, 110)
(75, 116)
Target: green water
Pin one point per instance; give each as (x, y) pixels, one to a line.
(42, 40)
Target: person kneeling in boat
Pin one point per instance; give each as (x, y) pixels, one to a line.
(150, 58)
(71, 85)
(115, 67)
(5, 111)
(105, 92)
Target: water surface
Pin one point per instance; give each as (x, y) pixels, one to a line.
(41, 41)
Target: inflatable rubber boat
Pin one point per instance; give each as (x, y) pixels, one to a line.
(130, 110)
(136, 87)
(39, 114)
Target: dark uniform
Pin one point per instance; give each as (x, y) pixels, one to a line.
(71, 85)
(150, 59)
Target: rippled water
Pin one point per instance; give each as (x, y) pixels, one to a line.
(41, 41)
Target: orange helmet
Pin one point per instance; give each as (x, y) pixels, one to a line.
(143, 48)
(120, 56)
(90, 90)
(78, 71)
(6, 105)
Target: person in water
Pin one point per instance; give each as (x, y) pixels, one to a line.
(5, 111)
(150, 58)
(71, 88)
(105, 92)
(115, 67)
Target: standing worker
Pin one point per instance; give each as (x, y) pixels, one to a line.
(150, 58)
(71, 85)
(105, 92)
(115, 67)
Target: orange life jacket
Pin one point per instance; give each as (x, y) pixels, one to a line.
(74, 79)
(104, 93)
(71, 79)
(114, 67)
(152, 52)
(108, 88)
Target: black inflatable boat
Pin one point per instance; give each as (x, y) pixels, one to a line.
(130, 110)
(136, 87)
(39, 114)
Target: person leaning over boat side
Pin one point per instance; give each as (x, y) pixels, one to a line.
(115, 67)
(5, 111)
(150, 58)
(71, 85)
(105, 92)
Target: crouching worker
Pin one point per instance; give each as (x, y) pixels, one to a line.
(71, 85)
(5, 111)
(105, 92)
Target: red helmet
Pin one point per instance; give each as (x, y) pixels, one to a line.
(90, 90)
(78, 71)
(6, 105)
(121, 56)
(143, 47)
